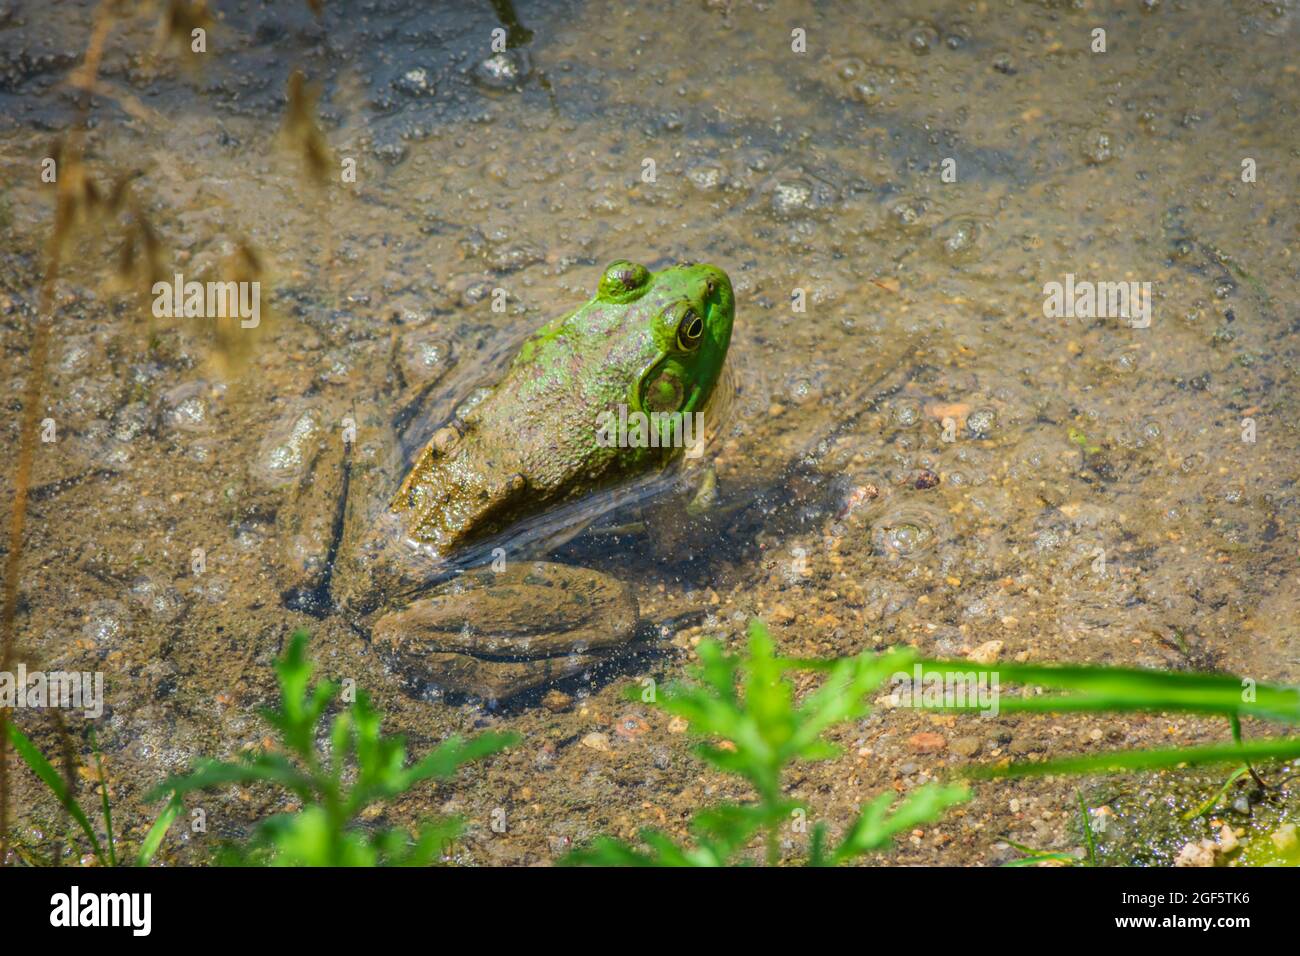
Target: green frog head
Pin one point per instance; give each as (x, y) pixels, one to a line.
(603, 393)
(651, 341)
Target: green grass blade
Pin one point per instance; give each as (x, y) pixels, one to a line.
(1209, 804)
(1128, 688)
(103, 797)
(445, 759)
(153, 839)
(264, 768)
(1042, 858)
(36, 761)
(1087, 829)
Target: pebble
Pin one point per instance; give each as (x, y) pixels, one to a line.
(1207, 852)
(630, 725)
(792, 197)
(981, 421)
(596, 741)
(1284, 837)
(927, 742)
(987, 653)
(965, 746)
(1096, 147)
(780, 614)
(503, 71)
(556, 701)
(415, 82)
(925, 478)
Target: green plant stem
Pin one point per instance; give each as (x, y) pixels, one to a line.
(103, 796)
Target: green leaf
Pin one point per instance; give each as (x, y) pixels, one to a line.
(36, 761)
(606, 851)
(1209, 804)
(324, 832)
(725, 828)
(817, 847)
(443, 761)
(305, 838)
(875, 827)
(264, 768)
(428, 844)
(153, 839)
(843, 696)
(717, 669)
(300, 708)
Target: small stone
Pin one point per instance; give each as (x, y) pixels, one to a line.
(678, 725)
(503, 71)
(792, 197)
(859, 495)
(957, 411)
(1227, 839)
(596, 741)
(1196, 854)
(1284, 838)
(557, 701)
(987, 653)
(780, 614)
(630, 725)
(927, 742)
(415, 82)
(1096, 147)
(965, 746)
(925, 478)
(981, 422)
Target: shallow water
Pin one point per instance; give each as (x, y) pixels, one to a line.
(1095, 499)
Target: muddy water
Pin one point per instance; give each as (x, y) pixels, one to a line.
(890, 204)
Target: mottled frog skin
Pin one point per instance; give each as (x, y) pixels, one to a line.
(647, 342)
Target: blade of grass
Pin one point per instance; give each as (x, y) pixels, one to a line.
(1209, 804)
(1087, 829)
(1126, 688)
(1033, 856)
(103, 796)
(50, 777)
(1042, 858)
(153, 839)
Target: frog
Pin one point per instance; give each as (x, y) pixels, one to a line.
(402, 550)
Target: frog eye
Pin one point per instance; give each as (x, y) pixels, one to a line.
(689, 330)
(621, 278)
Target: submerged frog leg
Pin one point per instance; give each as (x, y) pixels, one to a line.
(467, 676)
(493, 635)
